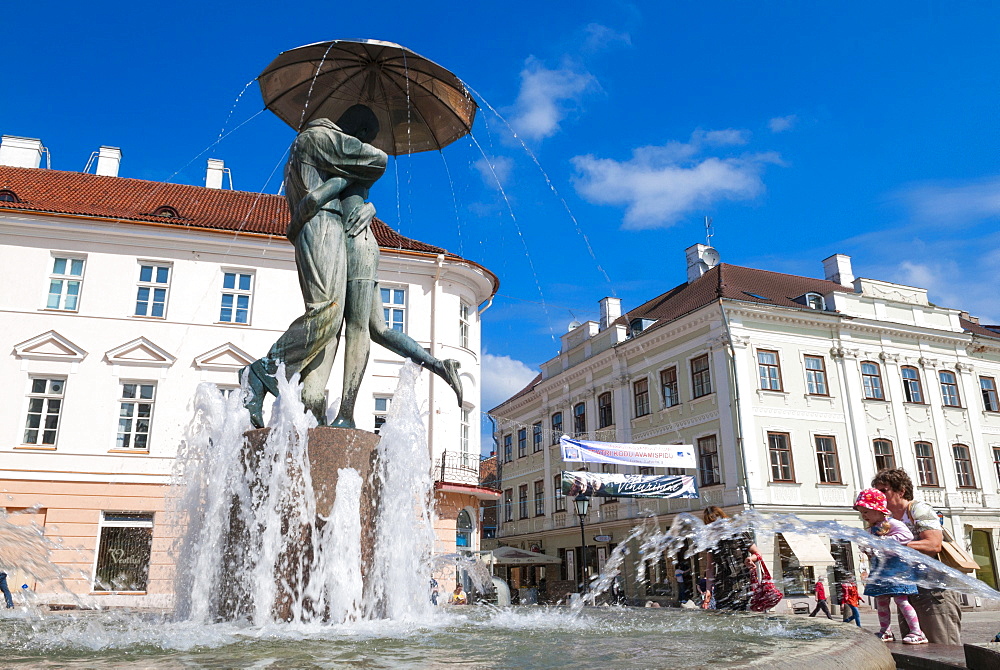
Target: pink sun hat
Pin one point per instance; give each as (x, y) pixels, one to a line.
(872, 499)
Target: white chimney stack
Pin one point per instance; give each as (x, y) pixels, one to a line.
(700, 259)
(108, 160)
(213, 176)
(611, 309)
(20, 151)
(837, 268)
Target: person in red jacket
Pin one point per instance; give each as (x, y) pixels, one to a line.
(821, 604)
(849, 599)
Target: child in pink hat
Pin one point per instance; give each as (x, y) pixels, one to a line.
(891, 577)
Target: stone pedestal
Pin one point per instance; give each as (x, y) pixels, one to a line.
(328, 449)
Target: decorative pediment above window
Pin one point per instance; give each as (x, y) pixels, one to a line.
(50, 346)
(140, 351)
(228, 357)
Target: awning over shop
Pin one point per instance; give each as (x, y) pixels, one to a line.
(515, 556)
(810, 549)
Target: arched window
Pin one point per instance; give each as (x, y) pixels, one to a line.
(580, 420)
(463, 529)
(166, 212)
(815, 301)
(912, 390)
(8, 196)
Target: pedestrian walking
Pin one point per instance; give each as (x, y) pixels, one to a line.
(821, 604)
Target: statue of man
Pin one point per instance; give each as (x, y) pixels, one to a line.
(330, 169)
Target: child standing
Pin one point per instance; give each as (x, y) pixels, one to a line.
(849, 599)
(887, 581)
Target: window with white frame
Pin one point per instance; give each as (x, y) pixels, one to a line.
(465, 430)
(988, 385)
(45, 399)
(708, 461)
(522, 442)
(912, 390)
(926, 464)
(124, 548)
(668, 387)
(237, 294)
(949, 389)
(815, 375)
(463, 325)
(557, 427)
(394, 308)
(779, 448)
(701, 377)
(963, 466)
(536, 437)
(151, 295)
(135, 416)
(826, 459)
(508, 448)
(65, 283)
(871, 379)
(815, 301)
(382, 403)
(769, 369)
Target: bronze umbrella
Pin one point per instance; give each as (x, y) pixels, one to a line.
(419, 104)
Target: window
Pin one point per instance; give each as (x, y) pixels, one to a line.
(540, 497)
(815, 301)
(8, 196)
(463, 325)
(136, 415)
(522, 442)
(382, 412)
(640, 392)
(508, 505)
(522, 501)
(926, 467)
(394, 308)
(44, 405)
(508, 448)
(536, 437)
(65, 283)
(989, 388)
(166, 211)
(151, 298)
(708, 461)
(605, 417)
(123, 551)
(780, 449)
(949, 389)
(815, 375)
(463, 529)
(237, 288)
(826, 459)
(769, 370)
(580, 420)
(871, 378)
(701, 377)
(996, 461)
(465, 429)
(911, 384)
(561, 497)
(557, 427)
(668, 386)
(884, 457)
(963, 466)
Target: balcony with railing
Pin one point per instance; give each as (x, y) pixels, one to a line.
(457, 468)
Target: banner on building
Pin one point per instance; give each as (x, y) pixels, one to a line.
(646, 455)
(604, 485)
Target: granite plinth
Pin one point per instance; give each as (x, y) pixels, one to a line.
(328, 449)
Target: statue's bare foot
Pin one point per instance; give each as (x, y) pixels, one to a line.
(255, 401)
(449, 372)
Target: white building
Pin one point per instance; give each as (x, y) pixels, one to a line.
(122, 295)
(794, 390)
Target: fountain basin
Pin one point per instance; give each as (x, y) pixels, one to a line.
(522, 637)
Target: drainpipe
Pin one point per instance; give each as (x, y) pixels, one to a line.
(740, 447)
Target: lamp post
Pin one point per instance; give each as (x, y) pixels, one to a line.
(582, 507)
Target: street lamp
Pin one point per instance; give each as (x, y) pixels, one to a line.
(582, 507)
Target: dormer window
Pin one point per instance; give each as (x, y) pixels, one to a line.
(166, 212)
(8, 196)
(815, 301)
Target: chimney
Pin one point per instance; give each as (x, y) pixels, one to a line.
(700, 259)
(20, 151)
(837, 268)
(611, 309)
(108, 160)
(213, 176)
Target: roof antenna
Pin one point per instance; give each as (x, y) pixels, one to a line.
(709, 232)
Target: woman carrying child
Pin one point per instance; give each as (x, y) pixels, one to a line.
(887, 581)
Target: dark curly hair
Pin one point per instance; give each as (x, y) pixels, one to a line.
(895, 479)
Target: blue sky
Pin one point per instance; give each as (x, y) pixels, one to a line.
(802, 129)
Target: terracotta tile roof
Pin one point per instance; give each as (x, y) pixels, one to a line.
(123, 199)
(982, 330)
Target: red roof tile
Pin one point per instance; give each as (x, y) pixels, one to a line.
(123, 199)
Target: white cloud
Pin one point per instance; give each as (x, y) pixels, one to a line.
(660, 184)
(601, 37)
(494, 170)
(546, 97)
(955, 202)
(503, 376)
(780, 124)
(953, 283)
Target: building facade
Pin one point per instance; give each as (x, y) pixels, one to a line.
(121, 296)
(794, 391)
